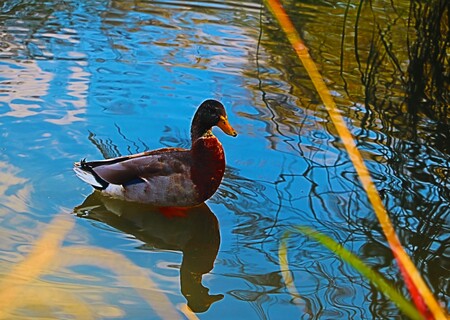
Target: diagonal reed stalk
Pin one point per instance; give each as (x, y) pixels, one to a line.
(376, 278)
(409, 272)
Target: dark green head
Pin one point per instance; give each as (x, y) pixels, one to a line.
(210, 113)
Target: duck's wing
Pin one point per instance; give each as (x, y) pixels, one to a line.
(134, 168)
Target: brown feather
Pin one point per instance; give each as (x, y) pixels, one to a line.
(160, 162)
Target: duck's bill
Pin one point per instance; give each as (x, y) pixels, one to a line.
(226, 127)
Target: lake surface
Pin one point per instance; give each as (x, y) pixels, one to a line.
(96, 79)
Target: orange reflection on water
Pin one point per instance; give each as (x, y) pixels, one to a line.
(23, 292)
(46, 284)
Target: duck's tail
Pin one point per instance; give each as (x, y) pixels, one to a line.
(88, 175)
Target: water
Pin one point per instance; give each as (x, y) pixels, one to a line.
(98, 79)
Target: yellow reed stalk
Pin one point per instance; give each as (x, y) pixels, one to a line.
(284, 267)
(347, 139)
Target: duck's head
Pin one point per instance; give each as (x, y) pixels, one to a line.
(209, 114)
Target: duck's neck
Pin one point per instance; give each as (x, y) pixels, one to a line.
(208, 164)
(197, 132)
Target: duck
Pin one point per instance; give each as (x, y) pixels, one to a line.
(167, 177)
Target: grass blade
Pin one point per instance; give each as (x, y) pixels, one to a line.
(374, 277)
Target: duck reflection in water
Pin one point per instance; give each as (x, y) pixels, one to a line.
(194, 232)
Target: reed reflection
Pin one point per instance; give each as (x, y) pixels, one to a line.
(194, 232)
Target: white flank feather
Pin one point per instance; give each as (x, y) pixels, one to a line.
(86, 176)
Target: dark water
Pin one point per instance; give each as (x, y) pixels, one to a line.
(98, 79)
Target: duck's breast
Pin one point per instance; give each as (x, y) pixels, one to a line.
(208, 166)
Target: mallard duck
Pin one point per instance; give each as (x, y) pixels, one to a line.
(167, 177)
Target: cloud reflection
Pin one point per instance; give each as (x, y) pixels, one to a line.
(14, 190)
(23, 85)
